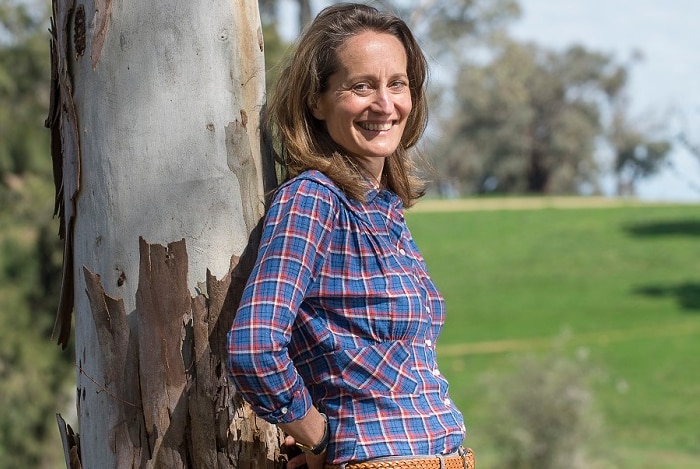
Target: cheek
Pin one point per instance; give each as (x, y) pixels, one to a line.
(407, 105)
(409, 124)
(340, 124)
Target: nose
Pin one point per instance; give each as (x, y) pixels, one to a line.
(383, 102)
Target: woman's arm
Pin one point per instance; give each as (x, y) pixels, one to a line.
(294, 244)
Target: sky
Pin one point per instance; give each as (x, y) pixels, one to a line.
(665, 84)
(664, 87)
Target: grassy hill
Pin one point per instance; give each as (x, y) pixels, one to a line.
(614, 285)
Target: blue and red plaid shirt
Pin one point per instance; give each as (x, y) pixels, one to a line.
(339, 312)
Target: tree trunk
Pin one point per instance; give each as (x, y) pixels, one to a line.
(304, 13)
(160, 182)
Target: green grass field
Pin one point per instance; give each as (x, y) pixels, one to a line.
(618, 285)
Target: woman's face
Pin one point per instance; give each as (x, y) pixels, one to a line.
(368, 99)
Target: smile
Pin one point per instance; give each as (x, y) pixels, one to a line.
(376, 127)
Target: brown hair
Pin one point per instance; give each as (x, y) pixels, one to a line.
(303, 142)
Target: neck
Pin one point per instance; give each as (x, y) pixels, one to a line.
(373, 170)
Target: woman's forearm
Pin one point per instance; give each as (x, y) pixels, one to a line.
(308, 430)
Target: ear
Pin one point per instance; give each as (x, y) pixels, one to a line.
(316, 108)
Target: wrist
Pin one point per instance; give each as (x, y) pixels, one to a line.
(321, 446)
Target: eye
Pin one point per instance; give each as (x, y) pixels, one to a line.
(362, 89)
(398, 85)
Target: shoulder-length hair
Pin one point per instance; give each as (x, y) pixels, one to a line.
(302, 141)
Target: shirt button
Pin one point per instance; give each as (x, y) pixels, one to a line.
(284, 410)
(447, 402)
(429, 343)
(427, 308)
(402, 251)
(436, 372)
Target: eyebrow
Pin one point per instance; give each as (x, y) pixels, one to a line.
(367, 76)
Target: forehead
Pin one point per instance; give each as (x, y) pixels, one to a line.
(372, 48)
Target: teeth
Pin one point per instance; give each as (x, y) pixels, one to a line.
(375, 127)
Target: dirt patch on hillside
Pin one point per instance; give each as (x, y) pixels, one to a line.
(592, 338)
(528, 203)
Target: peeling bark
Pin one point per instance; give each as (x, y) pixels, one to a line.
(71, 444)
(119, 381)
(168, 375)
(65, 153)
(241, 163)
(162, 309)
(103, 12)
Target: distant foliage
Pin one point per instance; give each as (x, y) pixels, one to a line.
(543, 414)
(34, 376)
(24, 92)
(531, 120)
(276, 49)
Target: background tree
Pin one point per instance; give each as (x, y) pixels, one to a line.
(637, 154)
(447, 27)
(528, 120)
(692, 146)
(270, 12)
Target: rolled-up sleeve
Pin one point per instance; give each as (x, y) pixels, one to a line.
(295, 239)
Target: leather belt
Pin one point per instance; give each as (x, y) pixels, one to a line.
(462, 460)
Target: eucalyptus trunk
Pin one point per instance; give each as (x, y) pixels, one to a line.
(160, 176)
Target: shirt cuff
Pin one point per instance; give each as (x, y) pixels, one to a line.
(293, 410)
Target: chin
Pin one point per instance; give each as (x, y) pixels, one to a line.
(382, 152)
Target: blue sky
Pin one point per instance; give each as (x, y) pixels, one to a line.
(665, 84)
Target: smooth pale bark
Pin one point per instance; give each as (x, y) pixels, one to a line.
(157, 156)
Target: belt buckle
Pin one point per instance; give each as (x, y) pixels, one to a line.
(441, 457)
(465, 453)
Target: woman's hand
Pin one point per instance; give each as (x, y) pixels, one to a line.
(313, 462)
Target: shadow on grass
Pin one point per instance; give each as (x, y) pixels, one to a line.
(687, 294)
(664, 228)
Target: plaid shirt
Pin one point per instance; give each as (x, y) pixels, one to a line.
(340, 312)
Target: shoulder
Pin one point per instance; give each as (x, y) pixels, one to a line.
(310, 184)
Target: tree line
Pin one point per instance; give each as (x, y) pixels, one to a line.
(508, 117)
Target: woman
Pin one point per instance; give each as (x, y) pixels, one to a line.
(334, 339)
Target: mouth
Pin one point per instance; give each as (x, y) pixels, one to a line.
(376, 127)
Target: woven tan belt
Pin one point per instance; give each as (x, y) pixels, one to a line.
(453, 461)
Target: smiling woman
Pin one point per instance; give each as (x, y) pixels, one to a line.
(334, 339)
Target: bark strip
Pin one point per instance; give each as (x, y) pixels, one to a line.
(71, 444)
(65, 153)
(120, 380)
(163, 308)
(103, 13)
(167, 372)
